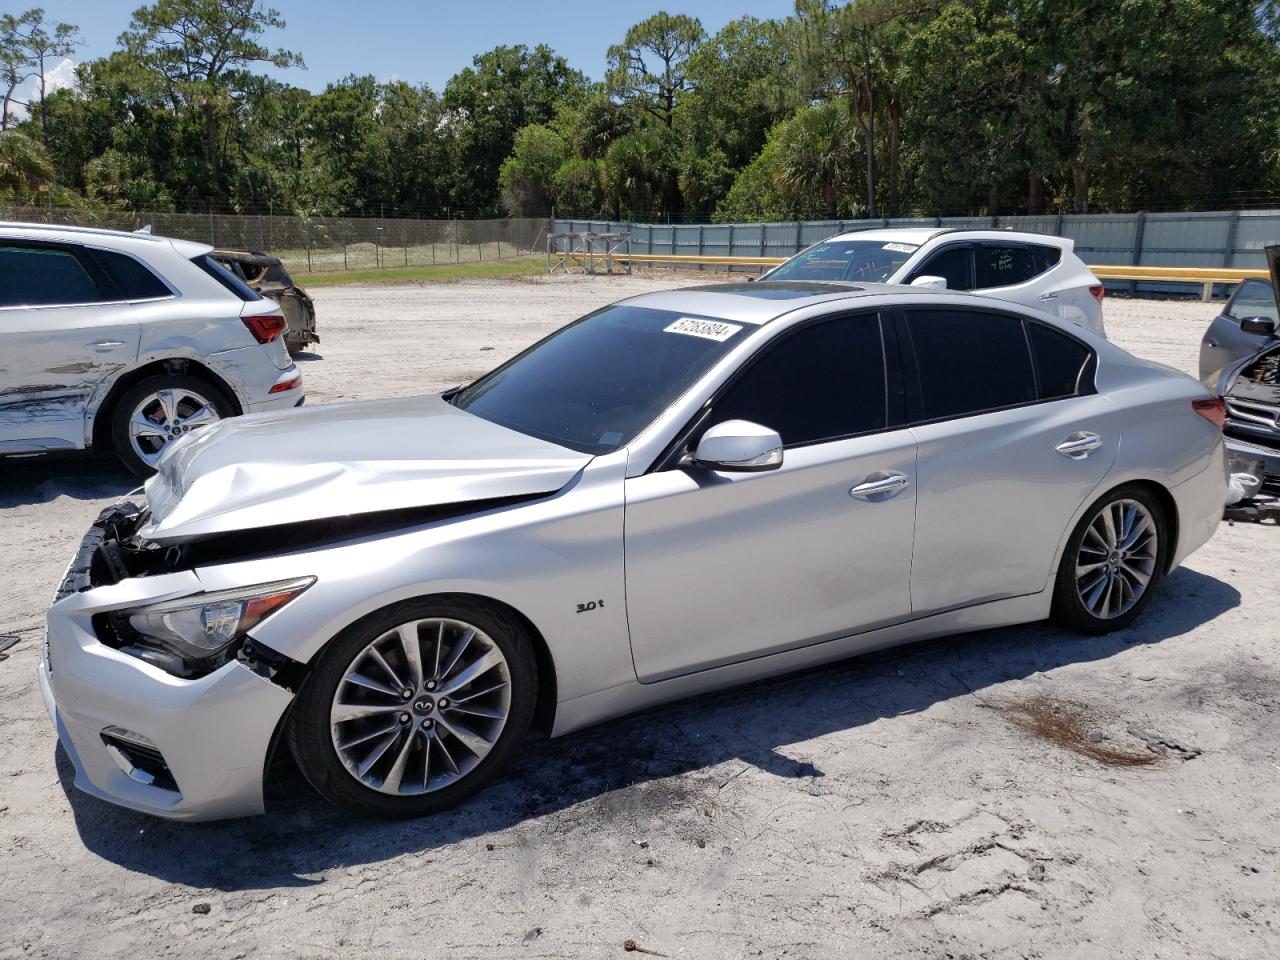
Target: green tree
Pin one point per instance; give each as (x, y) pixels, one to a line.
(201, 50)
(44, 44)
(25, 166)
(528, 176)
(16, 63)
(649, 68)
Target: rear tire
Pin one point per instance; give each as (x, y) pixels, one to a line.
(425, 736)
(171, 406)
(1114, 561)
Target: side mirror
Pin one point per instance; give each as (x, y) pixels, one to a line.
(739, 446)
(935, 283)
(1262, 326)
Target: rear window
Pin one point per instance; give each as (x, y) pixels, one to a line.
(225, 277)
(133, 280)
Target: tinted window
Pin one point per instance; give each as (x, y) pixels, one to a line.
(853, 261)
(133, 281)
(969, 361)
(225, 277)
(44, 276)
(1059, 360)
(1046, 258)
(1004, 266)
(595, 384)
(1254, 298)
(952, 264)
(819, 383)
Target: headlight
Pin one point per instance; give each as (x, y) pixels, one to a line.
(191, 636)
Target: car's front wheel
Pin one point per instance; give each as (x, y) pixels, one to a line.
(1114, 561)
(415, 708)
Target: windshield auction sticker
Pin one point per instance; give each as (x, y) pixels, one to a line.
(900, 247)
(706, 329)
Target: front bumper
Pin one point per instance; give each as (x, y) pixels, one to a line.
(213, 733)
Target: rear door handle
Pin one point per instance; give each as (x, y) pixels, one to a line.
(1047, 296)
(881, 485)
(1079, 445)
(107, 344)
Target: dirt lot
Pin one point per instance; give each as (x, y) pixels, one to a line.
(881, 807)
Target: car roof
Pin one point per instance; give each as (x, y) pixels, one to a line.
(758, 303)
(922, 235)
(137, 243)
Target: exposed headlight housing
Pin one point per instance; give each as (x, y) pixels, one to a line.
(192, 636)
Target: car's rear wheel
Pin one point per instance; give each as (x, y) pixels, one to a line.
(415, 708)
(1114, 561)
(158, 410)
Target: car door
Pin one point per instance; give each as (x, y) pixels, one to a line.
(1012, 439)
(722, 566)
(1224, 343)
(63, 331)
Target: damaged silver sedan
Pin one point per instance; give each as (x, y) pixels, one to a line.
(678, 492)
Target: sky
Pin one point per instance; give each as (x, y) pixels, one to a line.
(420, 42)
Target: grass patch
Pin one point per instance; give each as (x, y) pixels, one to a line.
(526, 266)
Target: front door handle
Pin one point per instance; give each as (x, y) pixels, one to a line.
(1079, 445)
(881, 485)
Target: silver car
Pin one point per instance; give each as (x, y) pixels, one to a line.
(677, 492)
(126, 341)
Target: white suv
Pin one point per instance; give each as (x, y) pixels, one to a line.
(1033, 269)
(128, 341)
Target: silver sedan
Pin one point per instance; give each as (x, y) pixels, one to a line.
(681, 491)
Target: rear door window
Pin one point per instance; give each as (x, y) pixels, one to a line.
(822, 382)
(46, 275)
(954, 264)
(969, 362)
(132, 279)
(1004, 265)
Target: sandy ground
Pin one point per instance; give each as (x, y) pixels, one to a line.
(883, 807)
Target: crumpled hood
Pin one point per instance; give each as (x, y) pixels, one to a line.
(342, 459)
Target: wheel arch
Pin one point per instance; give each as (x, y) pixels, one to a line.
(100, 428)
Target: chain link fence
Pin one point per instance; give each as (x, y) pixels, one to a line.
(320, 244)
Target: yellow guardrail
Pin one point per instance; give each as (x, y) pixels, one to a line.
(1205, 276)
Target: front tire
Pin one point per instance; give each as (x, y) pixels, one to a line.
(415, 708)
(1114, 561)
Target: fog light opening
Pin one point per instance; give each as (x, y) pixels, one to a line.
(139, 758)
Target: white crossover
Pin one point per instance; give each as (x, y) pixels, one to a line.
(127, 341)
(1034, 269)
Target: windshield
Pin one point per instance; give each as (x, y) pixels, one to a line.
(854, 261)
(595, 384)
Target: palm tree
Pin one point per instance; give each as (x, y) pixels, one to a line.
(25, 166)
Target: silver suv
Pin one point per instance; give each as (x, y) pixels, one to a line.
(127, 340)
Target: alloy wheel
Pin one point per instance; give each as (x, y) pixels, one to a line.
(1117, 558)
(165, 415)
(421, 706)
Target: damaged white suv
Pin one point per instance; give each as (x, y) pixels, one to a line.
(128, 341)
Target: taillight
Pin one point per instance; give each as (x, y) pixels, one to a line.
(266, 328)
(1213, 409)
(1098, 291)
